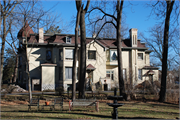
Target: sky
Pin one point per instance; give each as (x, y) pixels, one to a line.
(136, 15)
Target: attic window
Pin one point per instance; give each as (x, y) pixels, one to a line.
(68, 39)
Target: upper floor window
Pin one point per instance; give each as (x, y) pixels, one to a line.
(60, 54)
(92, 55)
(140, 56)
(140, 74)
(110, 74)
(113, 55)
(48, 55)
(69, 54)
(68, 39)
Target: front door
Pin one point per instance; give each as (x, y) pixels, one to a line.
(105, 87)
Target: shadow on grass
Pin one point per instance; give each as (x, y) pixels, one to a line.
(94, 114)
(79, 111)
(110, 117)
(30, 117)
(165, 105)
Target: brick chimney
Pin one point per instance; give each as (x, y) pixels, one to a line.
(41, 35)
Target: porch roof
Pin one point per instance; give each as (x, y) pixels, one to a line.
(90, 67)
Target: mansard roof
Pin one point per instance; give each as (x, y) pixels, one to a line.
(61, 39)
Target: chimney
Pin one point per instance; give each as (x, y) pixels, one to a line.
(41, 35)
(133, 37)
(93, 35)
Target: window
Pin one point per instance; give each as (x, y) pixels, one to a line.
(69, 54)
(20, 60)
(68, 39)
(24, 77)
(140, 56)
(60, 73)
(110, 74)
(140, 74)
(113, 55)
(68, 72)
(48, 55)
(124, 74)
(92, 55)
(77, 73)
(20, 76)
(60, 54)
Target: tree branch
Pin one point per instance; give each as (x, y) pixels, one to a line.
(87, 6)
(103, 26)
(97, 8)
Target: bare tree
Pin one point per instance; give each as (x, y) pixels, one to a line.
(78, 7)
(7, 8)
(27, 11)
(15, 51)
(165, 51)
(117, 24)
(108, 31)
(163, 10)
(155, 43)
(82, 80)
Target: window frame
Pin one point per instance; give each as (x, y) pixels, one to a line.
(66, 55)
(50, 56)
(69, 78)
(140, 75)
(140, 56)
(68, 39)
(94, 56)
(111, 73)
(111, 55)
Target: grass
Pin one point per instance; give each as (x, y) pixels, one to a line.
(131, 110)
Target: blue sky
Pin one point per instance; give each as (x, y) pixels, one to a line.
(136, 14)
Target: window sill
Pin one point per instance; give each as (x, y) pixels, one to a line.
(92, 59)
(68, 60)
(68, 80)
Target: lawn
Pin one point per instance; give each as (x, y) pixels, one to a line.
(131, 110)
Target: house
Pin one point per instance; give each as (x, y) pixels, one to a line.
(51, 60)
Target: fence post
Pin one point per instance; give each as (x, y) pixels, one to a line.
(69, 105)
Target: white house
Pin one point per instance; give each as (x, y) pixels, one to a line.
(51, 60)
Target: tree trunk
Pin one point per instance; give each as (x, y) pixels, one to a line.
(82, 80)
(29, 83)
(75, 54)
(3, 45)
(119, 51)
(165, 52)
(15, 69)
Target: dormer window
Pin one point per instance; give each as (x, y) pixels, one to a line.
(68, 39)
